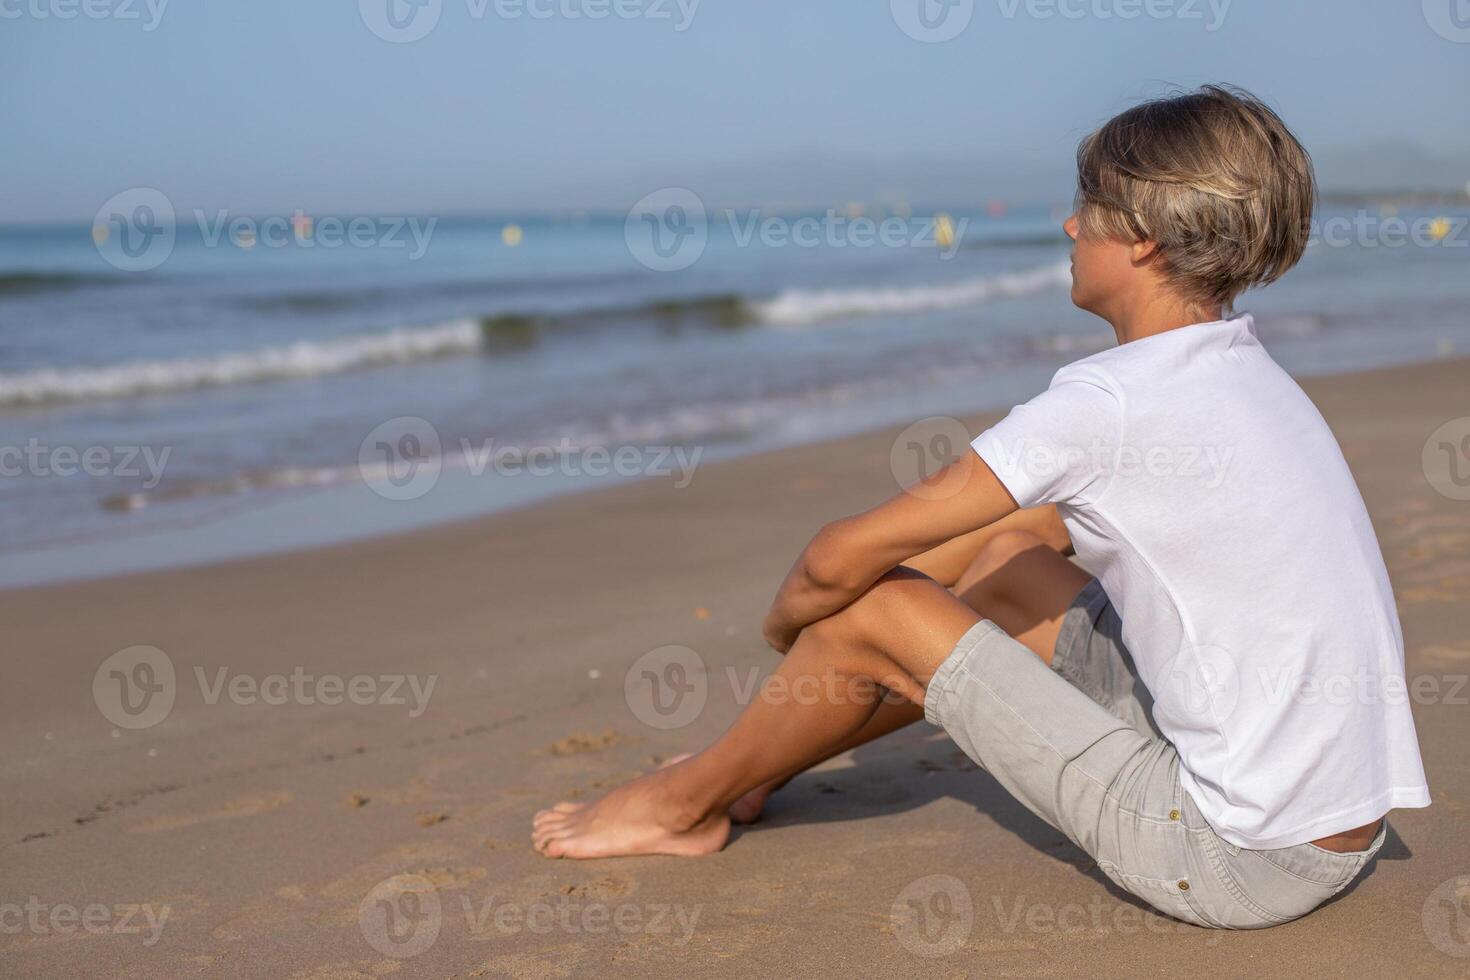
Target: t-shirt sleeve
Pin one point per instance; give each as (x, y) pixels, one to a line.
(1060, 446)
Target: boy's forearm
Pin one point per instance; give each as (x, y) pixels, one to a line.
(946, 563)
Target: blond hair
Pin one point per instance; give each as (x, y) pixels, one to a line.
(1214, 177)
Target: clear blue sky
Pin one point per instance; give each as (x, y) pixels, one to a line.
(268, 105)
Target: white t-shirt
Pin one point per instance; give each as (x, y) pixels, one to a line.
(1205, 491)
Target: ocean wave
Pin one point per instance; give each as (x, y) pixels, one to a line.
(307, 359)
(24, 283)
(501, 332)
(798, 307)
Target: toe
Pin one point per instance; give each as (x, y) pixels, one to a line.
(548, 817)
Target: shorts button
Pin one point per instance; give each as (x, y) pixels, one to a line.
(1184, 886)
(1173, 814)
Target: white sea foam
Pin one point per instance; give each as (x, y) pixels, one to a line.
(798, 307)
(306, 359)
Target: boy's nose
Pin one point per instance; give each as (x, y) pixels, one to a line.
(1070, 226)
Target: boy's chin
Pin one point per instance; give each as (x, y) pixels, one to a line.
(1079, 298)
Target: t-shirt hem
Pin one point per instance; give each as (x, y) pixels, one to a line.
(1401, 797)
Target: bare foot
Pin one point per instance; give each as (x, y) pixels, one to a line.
(636, 818)
(748, 808)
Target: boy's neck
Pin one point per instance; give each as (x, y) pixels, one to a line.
(1158, 314)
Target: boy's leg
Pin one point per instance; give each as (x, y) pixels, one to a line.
(1017, 580)
(896, 635)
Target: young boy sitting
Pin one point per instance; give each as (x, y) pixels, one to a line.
(1154, 710)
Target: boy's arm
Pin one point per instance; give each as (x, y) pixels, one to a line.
(849, 555)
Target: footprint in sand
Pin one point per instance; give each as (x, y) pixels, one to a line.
(582, 742)
(247, 806)
(601, 889)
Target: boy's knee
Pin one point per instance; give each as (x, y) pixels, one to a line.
(874, 614)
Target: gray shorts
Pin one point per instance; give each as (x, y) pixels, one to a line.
(1076, 743)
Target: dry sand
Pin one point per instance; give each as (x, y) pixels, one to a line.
(264, 836)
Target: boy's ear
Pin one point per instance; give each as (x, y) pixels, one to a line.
(1144, 251)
